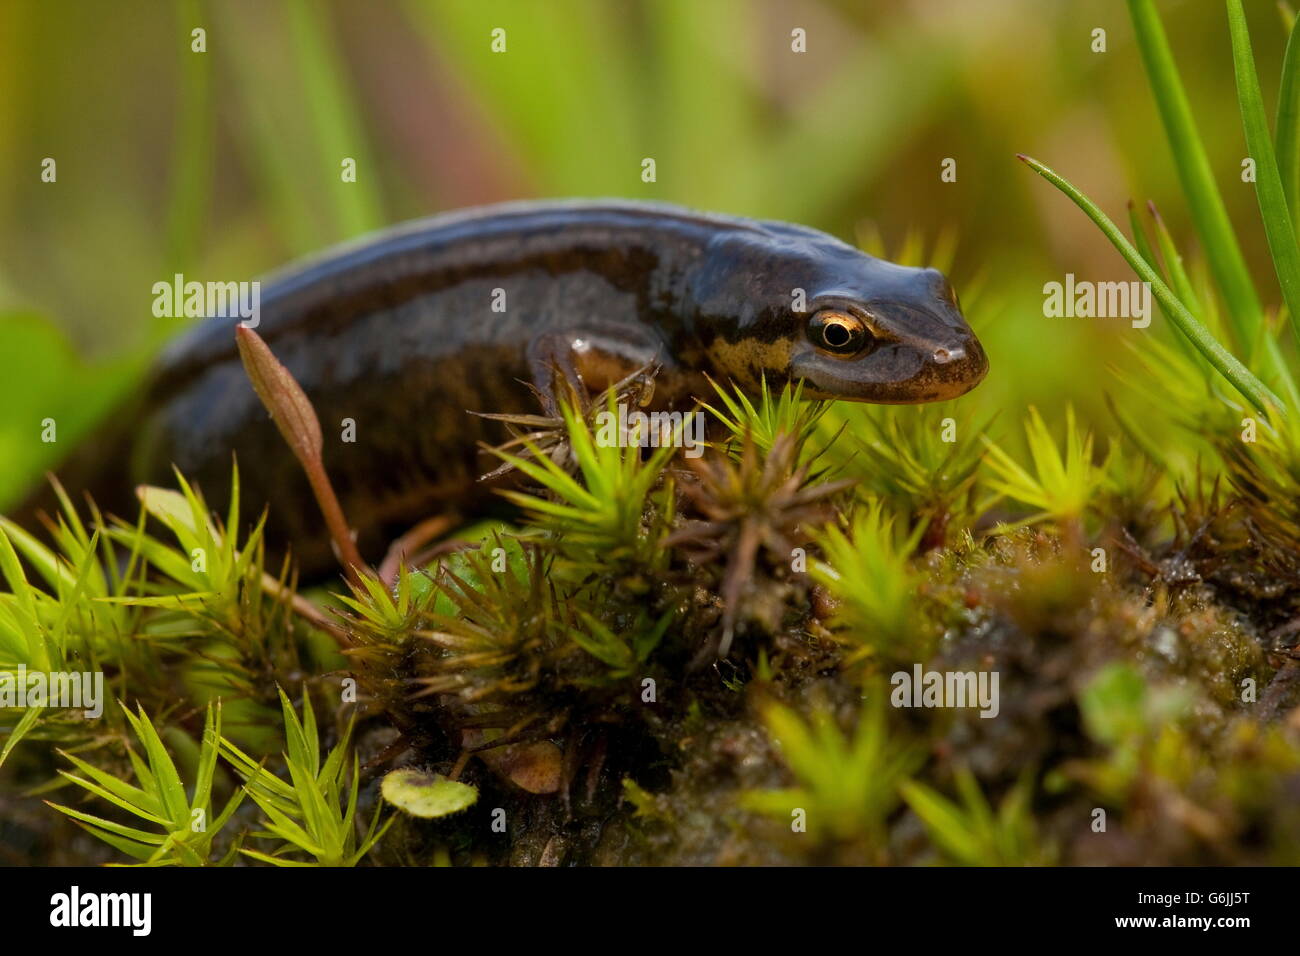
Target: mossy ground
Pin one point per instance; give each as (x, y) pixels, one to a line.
(1147, 670)
(1214, 785)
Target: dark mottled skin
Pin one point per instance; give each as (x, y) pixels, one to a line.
(397, 333)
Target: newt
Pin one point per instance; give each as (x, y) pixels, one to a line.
(403, 332)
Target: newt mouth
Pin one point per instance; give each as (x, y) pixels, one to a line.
(895, 374)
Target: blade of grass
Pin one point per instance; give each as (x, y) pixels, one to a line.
(274, 160)
(1268, 181)
(1140, 239)
(1172, 262)
(1209, 214)
(1178, 276)
(563, 71)
(1287, 130)
(192, 149)
(1144, 248)
(684, 33)
(1229, 367)
(357, 207)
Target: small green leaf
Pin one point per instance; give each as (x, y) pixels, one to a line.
(426, 795)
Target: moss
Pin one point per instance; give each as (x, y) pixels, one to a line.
(691, 666)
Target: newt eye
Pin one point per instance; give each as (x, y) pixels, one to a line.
(838, 332)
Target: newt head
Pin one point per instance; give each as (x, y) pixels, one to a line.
(908, 346)
(850, 326)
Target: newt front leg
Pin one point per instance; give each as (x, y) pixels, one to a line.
(591, 360)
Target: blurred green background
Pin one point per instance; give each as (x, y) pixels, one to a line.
(226, 164)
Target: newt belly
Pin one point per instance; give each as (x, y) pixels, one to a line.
(402, 334)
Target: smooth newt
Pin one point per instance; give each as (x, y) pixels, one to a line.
(405, 331)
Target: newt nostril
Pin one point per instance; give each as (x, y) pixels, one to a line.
(944, 356)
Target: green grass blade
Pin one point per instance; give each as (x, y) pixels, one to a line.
(1141, 241)
(1268, 181)
(1229, 367)
(1288, 123)
(683, 33)
(1145, 249)
(563, 70)
(1177, 274)
(286, 183)
(1227, 264)
(357, 207)
(192, 151)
